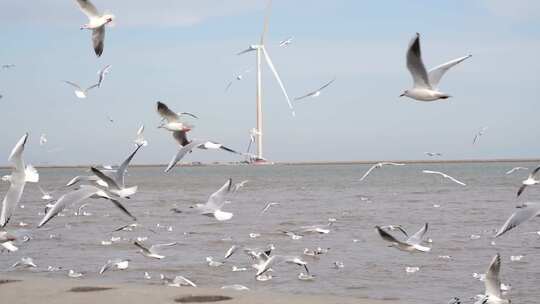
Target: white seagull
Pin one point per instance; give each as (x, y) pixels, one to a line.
(530, 181)
(515, 169)
(139, 140)
(215, 202)
(379, 165)
(119, 264)
(96, 23)
(317, 92)
(46, 196)
(25, 262)
(267, 206)
(524, 213)
(445, 176)
(18, 179)
(267, 262)
(80, 92)
(426, 83)
(480, 133)
(411, 244)
(239, 185)
(173, 123)
(151, 251)
(433, 154)
(42, 139)
(77, 196)
(101, 73)
(237, 77)
(6, 241)
(493, 283)
(286, 42)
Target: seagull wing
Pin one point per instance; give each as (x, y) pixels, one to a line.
(437, 72)
(387, 236)
(98, 40)
(188, 114)
(181, 153)
(16, 154)
(121, 171)
(110, 182)
(327, 84)
(455, 180)
(68, 199)
(305, 96)
(493, 282)
(416, 238)
(415, 65)
(524, 214)
(368, 172)
(521, 189)
(88, 8)
(76, 86)
(217, 199)
(535, 171)
(143, 247)
(181, 137)
(12, 198)
(166, 113)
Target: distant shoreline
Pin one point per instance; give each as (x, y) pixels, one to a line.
(315, 163)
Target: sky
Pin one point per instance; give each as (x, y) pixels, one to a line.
(184, 54)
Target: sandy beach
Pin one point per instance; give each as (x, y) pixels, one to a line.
(24, 290)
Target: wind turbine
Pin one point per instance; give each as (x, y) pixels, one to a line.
(261, 51)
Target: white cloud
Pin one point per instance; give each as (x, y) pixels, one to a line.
(157, 13)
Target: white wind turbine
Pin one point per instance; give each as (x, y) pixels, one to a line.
(261, 51)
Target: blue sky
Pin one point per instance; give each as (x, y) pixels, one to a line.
(183, 53)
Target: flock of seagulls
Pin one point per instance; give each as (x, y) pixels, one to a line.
(108, 183)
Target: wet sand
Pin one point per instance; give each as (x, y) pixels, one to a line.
(24, 290)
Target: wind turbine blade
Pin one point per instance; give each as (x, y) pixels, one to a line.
(266, 20)
(273, 68)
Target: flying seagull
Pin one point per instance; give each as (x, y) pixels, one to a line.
(101, 73)
(215, 202)
(6, 241)
(77, 196)
(530, 181)
(8, 66)
(480, 133)
(96, 23)
(173, 122)
(187, 146)
(426, 83)
(268, 262)
(151, 251)
(524, 213)
(515, 169)
(412, 243)
(119, 264)
(379, 165)
(18, 179)
(286, 42)
(80, 92)
(238, 78)
(267, 206)
(493, 283)
(317, 92)
(42, 139)
(445, 176)
(433, 154)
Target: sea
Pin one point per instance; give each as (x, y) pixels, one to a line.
(462, 222)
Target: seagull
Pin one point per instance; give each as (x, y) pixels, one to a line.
(80, 92)
(8, 66)
(151, 251)
(526, 212)
(119, 264)
(320, 229)
(187, 146)
(379, 165)
(18, 179)
(73, 274)
(425, 83)
(237, 77)
(277, 259)
(46, 196)
(445, 176)
(267, 206)
(239, 185)
(177, 281)
(25, 262)
(251, 48)
(76, 196)
(96, 23)
(395, 227)
(6, 241)
(411, 244)
(515, 169)
(530, 181)
(286, 42)
(317, 92)
(480, 133)
(432, 154)
(90, 178)
(230, 251)
(293, 235)
(173, 123)
(42, 139)
(493, 283)
(139, 140)
(215, 202)
(104, 71)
